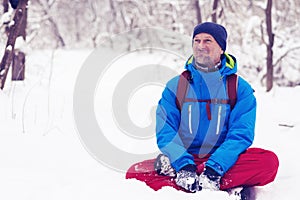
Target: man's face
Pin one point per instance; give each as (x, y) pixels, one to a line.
(206, 50)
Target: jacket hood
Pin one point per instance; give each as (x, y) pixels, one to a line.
(228, 64)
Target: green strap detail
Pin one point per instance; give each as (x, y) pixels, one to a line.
(190, 60)
(229, 61)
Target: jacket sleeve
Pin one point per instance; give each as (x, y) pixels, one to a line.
(167, 124)
(240, 133)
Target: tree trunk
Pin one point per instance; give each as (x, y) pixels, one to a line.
(53, 24)
(18, 63)
(198, 12)
(214, 11)
(10, 45)
(5, 6)
(269, 46)
(18, 66)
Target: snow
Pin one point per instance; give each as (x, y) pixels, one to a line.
(5, 18)
(2, 72)
(20, 44)
(9, 47)
(11, 23)
(43, 156)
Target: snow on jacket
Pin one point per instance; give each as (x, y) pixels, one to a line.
(224, 137)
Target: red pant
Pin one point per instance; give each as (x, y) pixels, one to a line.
(255, 167)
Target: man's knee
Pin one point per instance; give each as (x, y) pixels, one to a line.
(272, 161)
(270, 164)
(267, 164)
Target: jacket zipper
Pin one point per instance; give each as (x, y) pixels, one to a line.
(190, 118)
(219, 120)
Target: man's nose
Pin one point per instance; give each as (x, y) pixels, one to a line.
(201, 45)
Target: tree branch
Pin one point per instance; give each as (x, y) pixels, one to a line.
(285, 54)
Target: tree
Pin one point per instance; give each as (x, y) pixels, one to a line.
(86, 24)
(46, 6)
(198, 12)
(214, 11)
(269, 45)
(18, 63)
(10, 45)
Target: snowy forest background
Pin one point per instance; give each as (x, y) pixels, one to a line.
(86, 24)
(43, 153)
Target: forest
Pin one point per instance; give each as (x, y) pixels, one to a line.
(262, 34)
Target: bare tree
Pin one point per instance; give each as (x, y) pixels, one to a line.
(10, 45)
(46, 6)
(198, 11)
(269, 45)
(214, 11)
(86, 24)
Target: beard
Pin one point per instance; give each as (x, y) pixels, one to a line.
(204, 61)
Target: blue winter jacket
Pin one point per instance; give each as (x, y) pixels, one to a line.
(228, 133)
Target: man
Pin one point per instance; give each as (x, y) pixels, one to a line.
(215, 134)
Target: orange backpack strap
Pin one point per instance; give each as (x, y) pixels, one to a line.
(183, 83)
(232, 89)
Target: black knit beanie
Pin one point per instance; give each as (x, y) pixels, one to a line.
(215, 30)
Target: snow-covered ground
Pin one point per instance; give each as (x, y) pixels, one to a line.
(42, 155)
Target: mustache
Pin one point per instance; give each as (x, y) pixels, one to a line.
(202, 51)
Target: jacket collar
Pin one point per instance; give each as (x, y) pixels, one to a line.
(227, 66)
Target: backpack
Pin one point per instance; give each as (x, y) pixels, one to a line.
(185, 79)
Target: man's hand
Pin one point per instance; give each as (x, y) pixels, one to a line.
(188, 179)
(209, 179)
